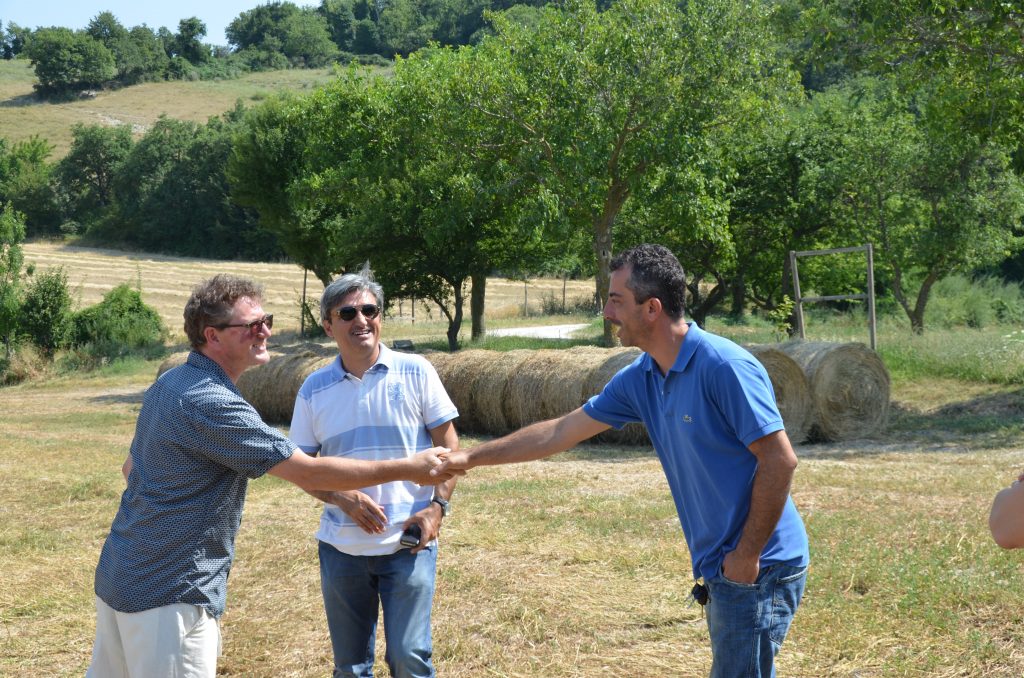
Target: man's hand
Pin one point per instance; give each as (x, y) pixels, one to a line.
(422, 467)
(452, 462)
(740, 569)
(366, 513)
(429, 520)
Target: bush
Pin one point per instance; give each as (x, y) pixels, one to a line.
(46, 311)
(959, 301)
(117, 325)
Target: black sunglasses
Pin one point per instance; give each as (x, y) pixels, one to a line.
(254, 326)
(347, 313)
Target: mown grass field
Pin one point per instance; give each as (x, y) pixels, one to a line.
(22, 115)
(166, 282)
(569, 567)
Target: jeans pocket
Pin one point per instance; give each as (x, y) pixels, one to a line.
(738, 584)
(787, 591)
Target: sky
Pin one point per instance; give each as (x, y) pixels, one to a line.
(75, 14)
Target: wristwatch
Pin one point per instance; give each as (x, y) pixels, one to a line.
(443, 504)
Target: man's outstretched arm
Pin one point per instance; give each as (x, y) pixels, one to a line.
(535, 441)
(336, 473)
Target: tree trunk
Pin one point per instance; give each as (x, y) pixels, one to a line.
(455, 322)
(738, 292)
(917, 316)
(478, 281)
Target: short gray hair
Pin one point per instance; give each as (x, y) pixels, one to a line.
(350, 282)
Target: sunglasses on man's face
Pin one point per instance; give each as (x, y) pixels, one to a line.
(254, 326)
(347, 313)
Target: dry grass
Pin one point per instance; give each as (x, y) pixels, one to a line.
(22, 115)
(166, 282)
(569, 567)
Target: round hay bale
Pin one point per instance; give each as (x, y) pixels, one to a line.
(849, 388)
(172, 360)
(566, 387)
(617, 358)
(524, 401)
(272, 388)
(792, 392)
(490, 388)
(458, 374)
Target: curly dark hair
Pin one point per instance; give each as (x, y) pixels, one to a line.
(212, 303)
(655, 272)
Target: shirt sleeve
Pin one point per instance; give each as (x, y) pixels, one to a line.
(438, 407)
(614, 405)
(232, 434)
(744, 395)
(301, 430)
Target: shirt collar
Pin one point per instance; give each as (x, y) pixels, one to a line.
(694, 338)
(203, 362)
(385, 358)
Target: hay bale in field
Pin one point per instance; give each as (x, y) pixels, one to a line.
(568, 387)
(459, 374)
(616, 359)
(849, 388)
(271, 388)
(792, 392)
(491, 387)
(172, 360)
(524, 399)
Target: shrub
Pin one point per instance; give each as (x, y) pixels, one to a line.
(959, 301)
(46, 311)
(118, 324)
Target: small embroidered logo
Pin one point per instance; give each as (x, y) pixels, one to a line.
(688, 419)
(395, 393)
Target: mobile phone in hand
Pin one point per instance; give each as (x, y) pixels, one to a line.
(411, 536)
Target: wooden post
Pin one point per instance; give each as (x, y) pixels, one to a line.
(872, 325)
(798, 302)
(302, 313)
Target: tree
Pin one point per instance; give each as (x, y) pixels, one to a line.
(596, 103)
(265, 168)
(12, 234)
(340, 22)
(25, 182)
(88, 171)
(188, 43)
(935, 200)
(46, 310)
(65, 61)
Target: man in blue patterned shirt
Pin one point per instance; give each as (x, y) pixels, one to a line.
(161, 581)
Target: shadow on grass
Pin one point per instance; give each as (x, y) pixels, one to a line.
(132, 398)
(21, 100)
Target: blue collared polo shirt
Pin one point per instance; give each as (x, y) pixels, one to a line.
(715, 400)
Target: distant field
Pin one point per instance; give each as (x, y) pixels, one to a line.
(22, 115)
(166, 282)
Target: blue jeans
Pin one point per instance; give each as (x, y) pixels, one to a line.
(748, 622)
(404, 585)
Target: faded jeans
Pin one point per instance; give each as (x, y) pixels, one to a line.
(404, 585)
(748, 622)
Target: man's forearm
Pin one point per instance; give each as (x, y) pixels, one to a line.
(536, 441)
(767, 501)
(772, 481)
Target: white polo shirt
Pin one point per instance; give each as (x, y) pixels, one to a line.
(388, 414)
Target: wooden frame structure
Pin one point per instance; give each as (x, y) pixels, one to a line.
(869, 295)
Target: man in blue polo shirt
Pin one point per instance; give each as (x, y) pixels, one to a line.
(711, 414)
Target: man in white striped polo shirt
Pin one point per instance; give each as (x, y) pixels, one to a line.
(374, 403)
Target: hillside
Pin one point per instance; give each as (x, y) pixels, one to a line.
(22, 115)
